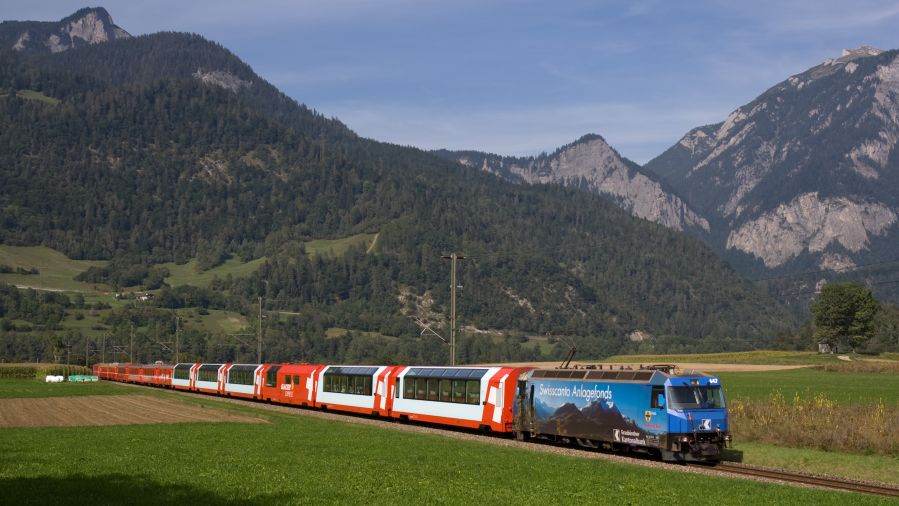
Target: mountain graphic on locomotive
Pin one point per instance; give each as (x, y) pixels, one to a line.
(679, 417)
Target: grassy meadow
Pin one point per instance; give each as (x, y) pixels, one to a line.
(56, 271)
(296, 459)
(338, 247)
(853, 389)
(186, 274)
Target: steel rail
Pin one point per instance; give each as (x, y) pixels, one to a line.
(808, 479)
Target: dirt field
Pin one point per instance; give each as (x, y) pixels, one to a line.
(685, 366)
(108, 410)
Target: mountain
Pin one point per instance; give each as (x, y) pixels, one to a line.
(167, 147)
(87, 26)
(804, 176)
(591, 164)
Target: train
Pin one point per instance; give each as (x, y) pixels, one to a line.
(655, 410)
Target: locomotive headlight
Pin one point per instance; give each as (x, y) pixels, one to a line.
(685, 439)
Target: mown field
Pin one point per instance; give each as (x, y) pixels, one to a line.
(295, 459)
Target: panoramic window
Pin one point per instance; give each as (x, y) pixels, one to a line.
(461, 386)
(182, 372)
(209, 372)
(347, 384)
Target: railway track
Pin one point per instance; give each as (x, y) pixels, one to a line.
(806, 479)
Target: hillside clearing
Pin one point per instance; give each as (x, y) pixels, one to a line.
(56, 271)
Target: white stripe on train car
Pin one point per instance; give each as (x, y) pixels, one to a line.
(382, 390)
(500, 399)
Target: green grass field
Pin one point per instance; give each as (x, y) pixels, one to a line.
(186, 274)
(216, 322)
(338, 247)
(304, 460)
(843, 388)
(23, 388)
(57, 271)
(36, 96)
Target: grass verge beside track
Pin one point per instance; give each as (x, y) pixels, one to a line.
(859, 467)
(307, 460)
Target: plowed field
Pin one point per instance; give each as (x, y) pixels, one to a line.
(109, 410)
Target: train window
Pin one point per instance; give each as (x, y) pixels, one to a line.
(695, 397)
(241, 374)
(446, 390)
(271, 377)
(296, 380)
(657, 397)
(459, 391)
(396, 389)
(344, 384)
(363, 385)
(182, 371)
(432, 389)
(209, 372)
(473, 390)
(408, 388)
(329, 383)
(421, 388)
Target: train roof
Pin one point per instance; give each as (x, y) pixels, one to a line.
(656, 373)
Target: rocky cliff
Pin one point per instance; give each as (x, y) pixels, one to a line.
(807, 173)
(87, 26)
(592, 164)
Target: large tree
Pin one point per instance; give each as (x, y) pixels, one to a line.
(844, 314)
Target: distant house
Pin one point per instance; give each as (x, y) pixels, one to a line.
(827, 348)
(144, 297)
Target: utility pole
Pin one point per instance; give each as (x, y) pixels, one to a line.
(103, 349)
(453, 258)
(177, 337)
(86, 350)
(131, 353)
(259, 335)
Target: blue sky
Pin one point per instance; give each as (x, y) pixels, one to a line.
(516, 77)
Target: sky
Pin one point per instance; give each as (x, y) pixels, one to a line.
(516, 77)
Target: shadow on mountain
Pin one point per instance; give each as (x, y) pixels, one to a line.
(114, 489)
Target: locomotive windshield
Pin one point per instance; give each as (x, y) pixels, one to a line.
(695, 398)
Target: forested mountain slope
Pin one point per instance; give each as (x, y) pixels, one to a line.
(167, 147)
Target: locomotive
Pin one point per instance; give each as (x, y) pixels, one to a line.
(678, 417)
(652, 410)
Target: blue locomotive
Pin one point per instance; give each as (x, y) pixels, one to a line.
(681, 417)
